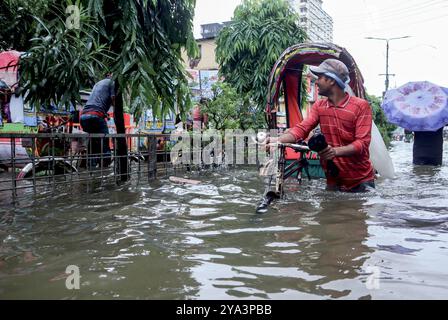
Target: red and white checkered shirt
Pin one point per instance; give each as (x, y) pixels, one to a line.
(342, 125)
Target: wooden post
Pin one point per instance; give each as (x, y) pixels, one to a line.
(121, 146)
(152, 157)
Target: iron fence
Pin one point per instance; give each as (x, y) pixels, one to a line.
(43, 161)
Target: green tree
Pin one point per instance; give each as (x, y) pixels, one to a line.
(147, 37)
(380, 119)
(222, 109)
(61, 61)
(17, 23)
(144, 40)
(249, 46)
(229, 110)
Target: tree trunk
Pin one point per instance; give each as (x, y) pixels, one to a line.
(121, 146)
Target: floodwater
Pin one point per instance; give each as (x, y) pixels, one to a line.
(169, 241)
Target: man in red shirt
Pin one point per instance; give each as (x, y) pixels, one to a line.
(346, 123)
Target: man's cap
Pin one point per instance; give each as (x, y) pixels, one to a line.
(333, 69)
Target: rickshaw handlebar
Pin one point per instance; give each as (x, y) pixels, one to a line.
(295, 147)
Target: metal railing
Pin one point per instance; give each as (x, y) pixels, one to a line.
(44, 161)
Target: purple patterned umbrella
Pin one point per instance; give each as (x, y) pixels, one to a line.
(417, 106)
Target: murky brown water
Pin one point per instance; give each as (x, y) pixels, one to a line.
(167, 241)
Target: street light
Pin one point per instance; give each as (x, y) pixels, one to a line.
(387, 55)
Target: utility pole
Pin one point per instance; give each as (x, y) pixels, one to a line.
(387, 78)
(387, 74)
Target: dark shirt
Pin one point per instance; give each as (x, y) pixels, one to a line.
(428, 147)
(101, 98)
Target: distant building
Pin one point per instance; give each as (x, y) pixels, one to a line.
(212, 30)
(207, 47)
(204, 69)
(206, 60)
(317, 23)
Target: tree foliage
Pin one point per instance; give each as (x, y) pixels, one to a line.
(139, 40)
(143, 40)
(147, 37)
(222, 109)
(249, 46)
(229, 110)
(61, 61)
(380, 119)
(17, 23)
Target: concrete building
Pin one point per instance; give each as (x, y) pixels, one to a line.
(207, 57)
(207, 47)
(204, 70)
(317, 23)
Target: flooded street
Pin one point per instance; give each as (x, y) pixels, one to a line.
(170, 241)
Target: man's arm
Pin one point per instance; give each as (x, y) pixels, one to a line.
(301, 130)
(330, 152)
(287, 138)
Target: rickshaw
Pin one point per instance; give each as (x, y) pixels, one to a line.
(285, 108)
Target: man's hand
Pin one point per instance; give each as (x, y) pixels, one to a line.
(284, 138)
(271, 140)
(328, 153)
(270, 143)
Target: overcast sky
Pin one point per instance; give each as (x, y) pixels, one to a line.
(424, 56)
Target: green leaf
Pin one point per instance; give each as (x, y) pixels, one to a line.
(248, 48)
(140, 40)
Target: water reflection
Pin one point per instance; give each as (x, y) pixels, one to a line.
(169, 241)
(299, 258)
(338, 250)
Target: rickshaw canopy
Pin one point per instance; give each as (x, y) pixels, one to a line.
(289, 68)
